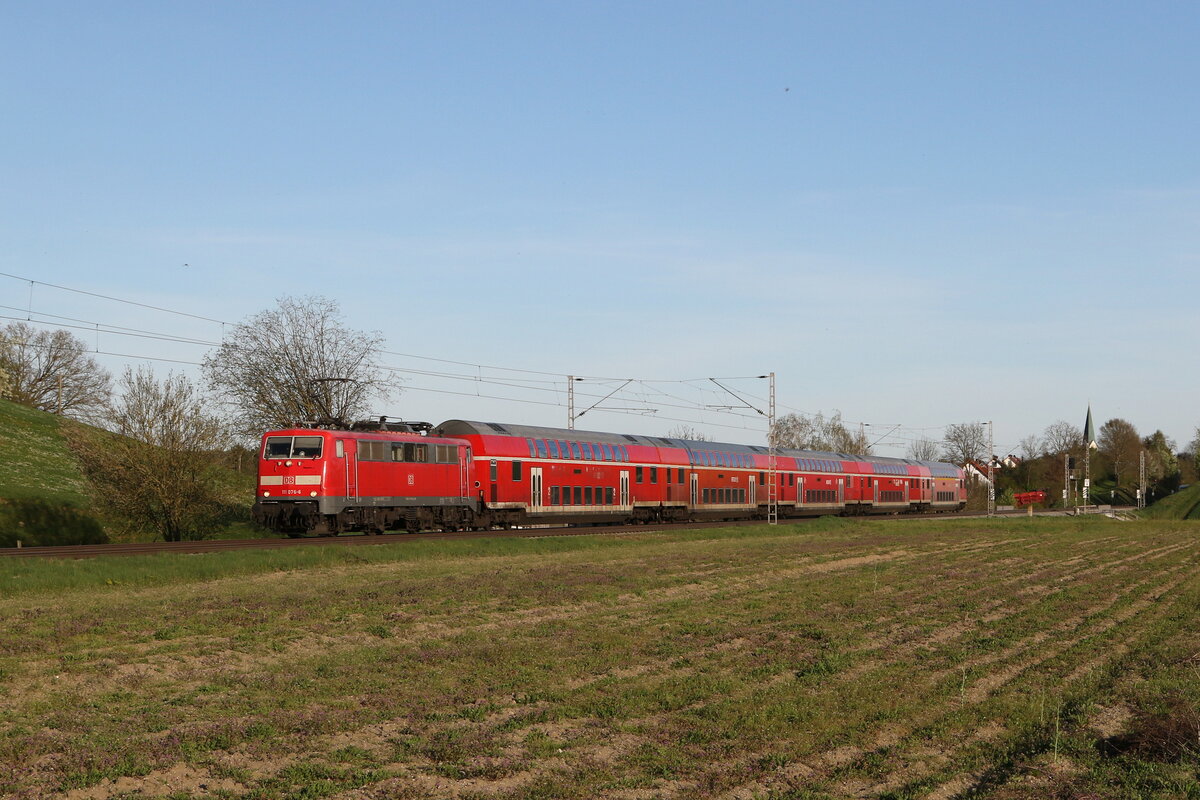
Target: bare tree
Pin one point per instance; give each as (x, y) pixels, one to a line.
(1032, 447)
(964, 442)
(802, 432)
(1119, 441)
(51, 370)
(160, 471)
(687, 432)
(923, 449)
(1061, 437)
(293, 363)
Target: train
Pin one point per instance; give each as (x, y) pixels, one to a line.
(379, 476)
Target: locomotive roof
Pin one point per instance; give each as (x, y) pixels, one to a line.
(460, 427)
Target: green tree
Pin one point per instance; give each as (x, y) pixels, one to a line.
(1162, 465)
(1120, 444)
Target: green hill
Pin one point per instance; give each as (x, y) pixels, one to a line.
(36, 461)
(42, 485)
(1184, 504)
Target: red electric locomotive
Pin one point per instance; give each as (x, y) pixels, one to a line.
(412, 476)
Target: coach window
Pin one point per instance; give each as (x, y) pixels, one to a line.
(532, 451)
(587, 495)
(578, 495)
(492, 470)
(553, 448)
(575, 452)
(680, 476)
(516, 470)
(541, 448)
(704, 497)
(608, 495)
(554, 496)
(654, 474)
(638, 474)
(587, 451)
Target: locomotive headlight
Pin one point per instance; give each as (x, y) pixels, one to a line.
(266, 494)
(287, 463)
(313, 493)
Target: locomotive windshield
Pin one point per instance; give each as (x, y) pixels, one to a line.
(292, 447)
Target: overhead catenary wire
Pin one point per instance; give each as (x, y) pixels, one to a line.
(653, 390)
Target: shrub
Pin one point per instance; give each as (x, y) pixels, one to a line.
(35, 522)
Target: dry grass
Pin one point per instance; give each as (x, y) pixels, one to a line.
(903, 659)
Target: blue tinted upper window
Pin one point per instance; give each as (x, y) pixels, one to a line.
(541, 448)
(575, 452)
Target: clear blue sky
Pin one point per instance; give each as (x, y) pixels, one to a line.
(916, 213)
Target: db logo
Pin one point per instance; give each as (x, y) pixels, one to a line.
(289, 480)
(411, 480)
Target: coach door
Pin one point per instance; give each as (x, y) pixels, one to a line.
(800, 491)
(535, 489)
(348, 448)
(464, 479)
(695, 489)
(753, 498)
(625, 487)
(841, 490)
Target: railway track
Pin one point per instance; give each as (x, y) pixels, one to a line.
(353, 540)
(345, 540)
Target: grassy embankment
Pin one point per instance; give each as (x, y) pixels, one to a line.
(37, 464)
(36, 461)
(1184, 504)
(828, 660)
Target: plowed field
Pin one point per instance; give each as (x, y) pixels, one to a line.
(942, 659)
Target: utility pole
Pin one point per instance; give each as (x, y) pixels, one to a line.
(1066, 479)
(772, 448)
(572, 416)
(571, 402)
(991, 510)
(772, 463)
(1141, 498)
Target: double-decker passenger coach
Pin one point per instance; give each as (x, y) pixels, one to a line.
(383, 475)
